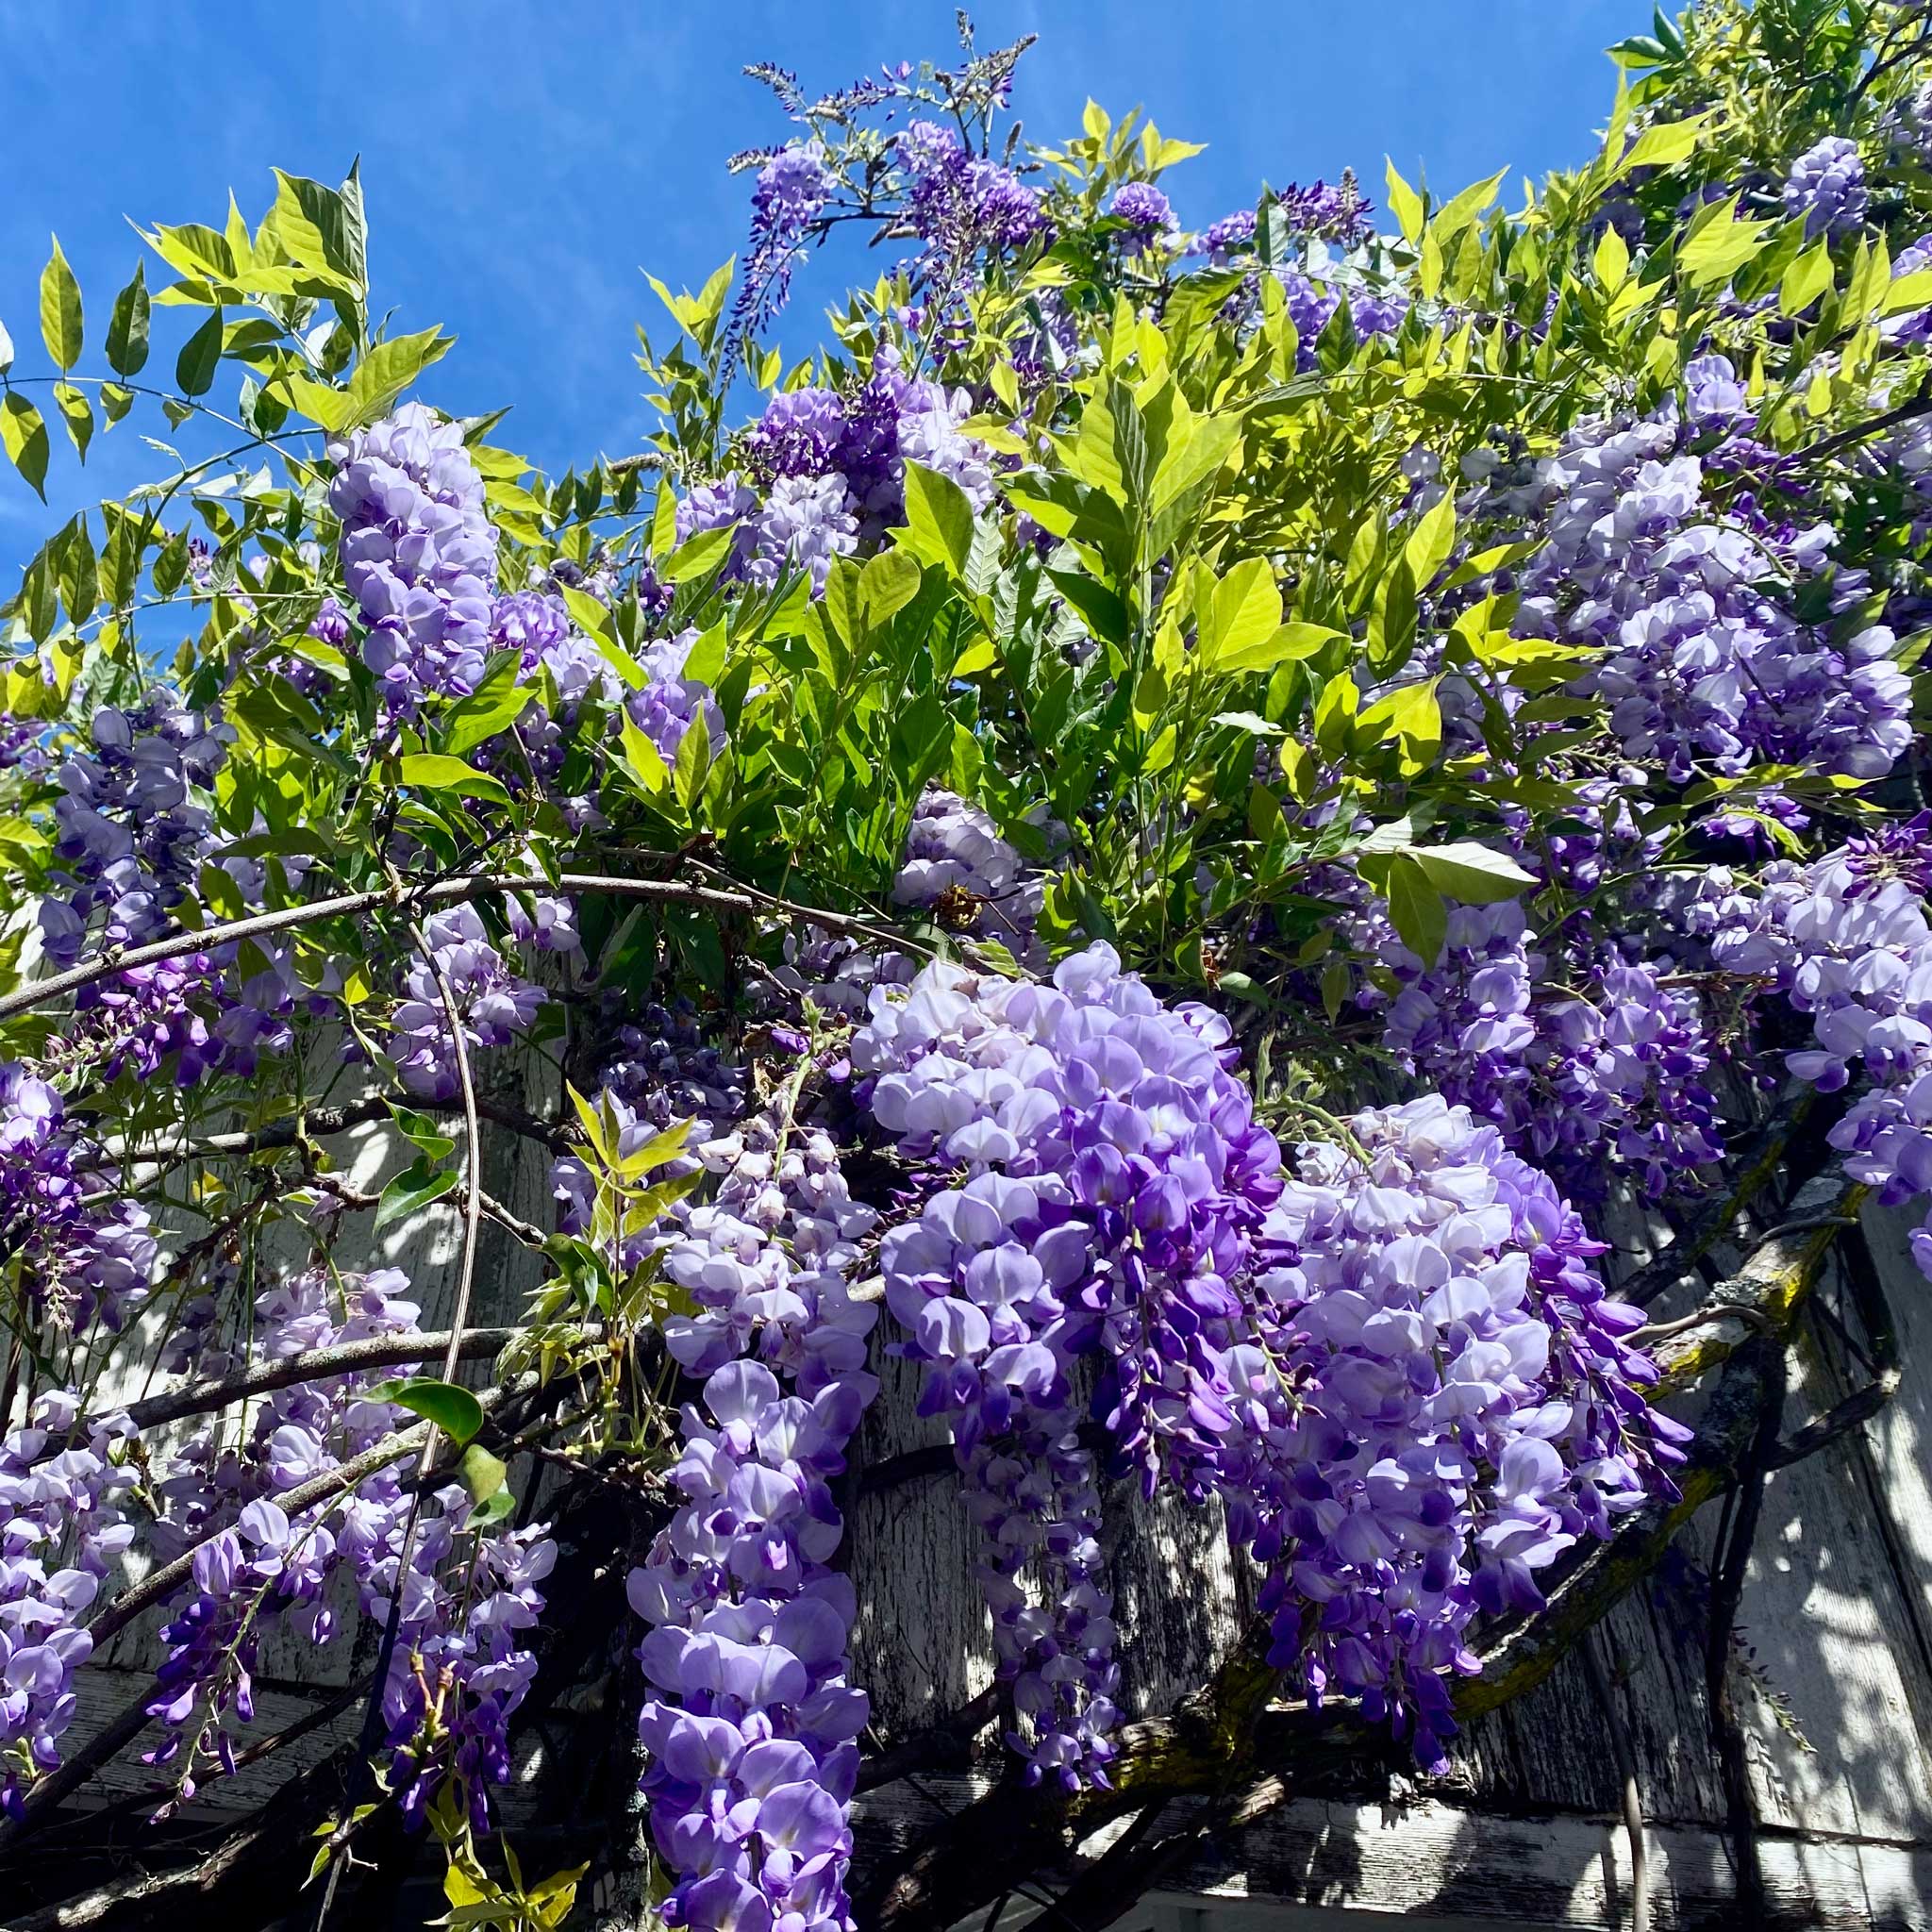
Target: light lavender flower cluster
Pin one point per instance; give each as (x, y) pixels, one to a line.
(1706, 666)
(461, 1665)
(1827, 186)
(496, 1005)
(752, 1722)
(63, 1527)
(419, 553)
(977, 881)
(84, 1253)
(1848, 943)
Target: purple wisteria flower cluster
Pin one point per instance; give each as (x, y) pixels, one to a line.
(1403, 1377)
(64, 1528)
(85, 1254)
(752, 1724)
(792, 188)
(1438, 1400)
(495, 1005)
(419, 553)
(1705, 668)
(461, 1665)
(136, 828)
(1827, 186)
(1847, 941)
(962, 208)
(1592, 1069)
(977, 881)
(831, 467)
(1108, 1167)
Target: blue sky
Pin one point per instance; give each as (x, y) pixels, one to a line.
(522, 161)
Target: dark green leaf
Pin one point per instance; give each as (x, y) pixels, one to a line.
(171, 566)
(194, 369)
(128, 326)
(79, 571)
(454, 1411)
(413, 1190)
(1416, 909)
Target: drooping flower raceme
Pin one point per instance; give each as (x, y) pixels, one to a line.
(495, 1005)
(753, 1717)
(1438, 1400)
(793, 187)
(1848, 943)
(63, 1531)
(1107, 1168)
(84, 1253)
(461, 1663)
(419, 553)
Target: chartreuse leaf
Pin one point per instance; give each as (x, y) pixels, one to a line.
(938, 519)
(389, 368)
(423, 1130)
(60, 320)
(1663, 145)
(487, 1480)
(1464, 208)
(887, 584)
(1412, 720)
(700, 558)
(1473, 873)
(1718, 249)
(455, 1410)
(1405, 203)
(1806, 279)
(1285, 645)
(25, 434)
(77, 413)
(498, 701)
(437, 772)
(1242, 613)
(1612, 260)
(1431, 541)
(643, 758)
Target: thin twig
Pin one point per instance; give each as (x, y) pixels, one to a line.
(323, 1122)
(1703, 1317)
(433, 892)
(371, 1352)
(1881, 1353)
(466, 1275)
(163, 1581)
